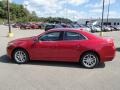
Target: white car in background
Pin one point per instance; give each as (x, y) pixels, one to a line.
(81, 27)
(96, 28)
(85, 28)
(118, 28)
(106, 28)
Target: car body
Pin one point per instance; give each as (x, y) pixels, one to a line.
(66, 25)
(52, 26)
(118, 27)
(112, 28)
(107, 28)
(25, 26)
(95, 28)
(34, 26)
(81, 27)
(16, 25)
(86, 28)
(69, 45)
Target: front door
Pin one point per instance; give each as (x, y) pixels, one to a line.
(45, 49)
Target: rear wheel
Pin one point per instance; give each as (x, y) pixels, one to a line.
(20, 56)
(89, 60)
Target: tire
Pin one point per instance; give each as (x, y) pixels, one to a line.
(89, 60)
(20, 56)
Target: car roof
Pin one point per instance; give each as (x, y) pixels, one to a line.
(63, 29)
(82, 31)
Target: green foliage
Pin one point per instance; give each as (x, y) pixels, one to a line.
(55, 20)
(20, 14)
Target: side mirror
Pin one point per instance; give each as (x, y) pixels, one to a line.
(36, 40)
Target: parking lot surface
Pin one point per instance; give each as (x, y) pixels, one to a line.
(40, 75)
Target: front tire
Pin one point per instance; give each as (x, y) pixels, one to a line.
(89, 60)
(20, 56)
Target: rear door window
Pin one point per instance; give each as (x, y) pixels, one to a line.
(73, 36)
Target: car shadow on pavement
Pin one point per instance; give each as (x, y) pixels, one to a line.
(5, 59)
(118, 49)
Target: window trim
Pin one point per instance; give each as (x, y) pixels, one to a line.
(61, 35)
(76, 33)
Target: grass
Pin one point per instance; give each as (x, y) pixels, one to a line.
(2, 21)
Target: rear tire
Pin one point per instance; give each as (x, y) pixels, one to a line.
(89, 60)
(20, 56)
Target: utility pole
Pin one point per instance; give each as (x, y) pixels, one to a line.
(10, 34)
(102, 18)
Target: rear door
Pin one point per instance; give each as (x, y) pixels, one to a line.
(69, 48)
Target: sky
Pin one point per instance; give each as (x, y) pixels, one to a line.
(72, 9)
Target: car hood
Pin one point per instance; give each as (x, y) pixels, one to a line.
(27, 39)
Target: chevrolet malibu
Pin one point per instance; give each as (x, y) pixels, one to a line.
(68, 45)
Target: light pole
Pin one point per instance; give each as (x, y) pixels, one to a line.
(102, 18)
(10, 34)
(108, 11)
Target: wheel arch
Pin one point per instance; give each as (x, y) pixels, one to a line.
(20, 48)
(92, 51)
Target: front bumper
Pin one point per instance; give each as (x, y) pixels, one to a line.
(9, 50)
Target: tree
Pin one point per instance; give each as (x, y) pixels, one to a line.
(20, 14)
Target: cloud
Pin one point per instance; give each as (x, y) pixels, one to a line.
(73, 14)
(97, 10)
(58, 8)
(100, 3)
(113, 14)
(54, 8)
(98, 13)
(77, 2)
(41, 5)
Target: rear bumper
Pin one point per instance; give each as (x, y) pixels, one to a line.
(107, 58)
(107, 54)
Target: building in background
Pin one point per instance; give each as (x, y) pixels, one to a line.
(111, 21)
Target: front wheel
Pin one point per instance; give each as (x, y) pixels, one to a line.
(89, 60)
(20, 56)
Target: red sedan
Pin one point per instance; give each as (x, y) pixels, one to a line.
(67, 45)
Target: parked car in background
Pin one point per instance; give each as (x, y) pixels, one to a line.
(81, 27)
(112, 28)
(16, 25)
(68, 45)
(40, 26)
(51, 26)
(106, 28)
(95, 28)
(118, 27)
(25, 26)
(66, 25)
(34, 26)
(86, 28)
